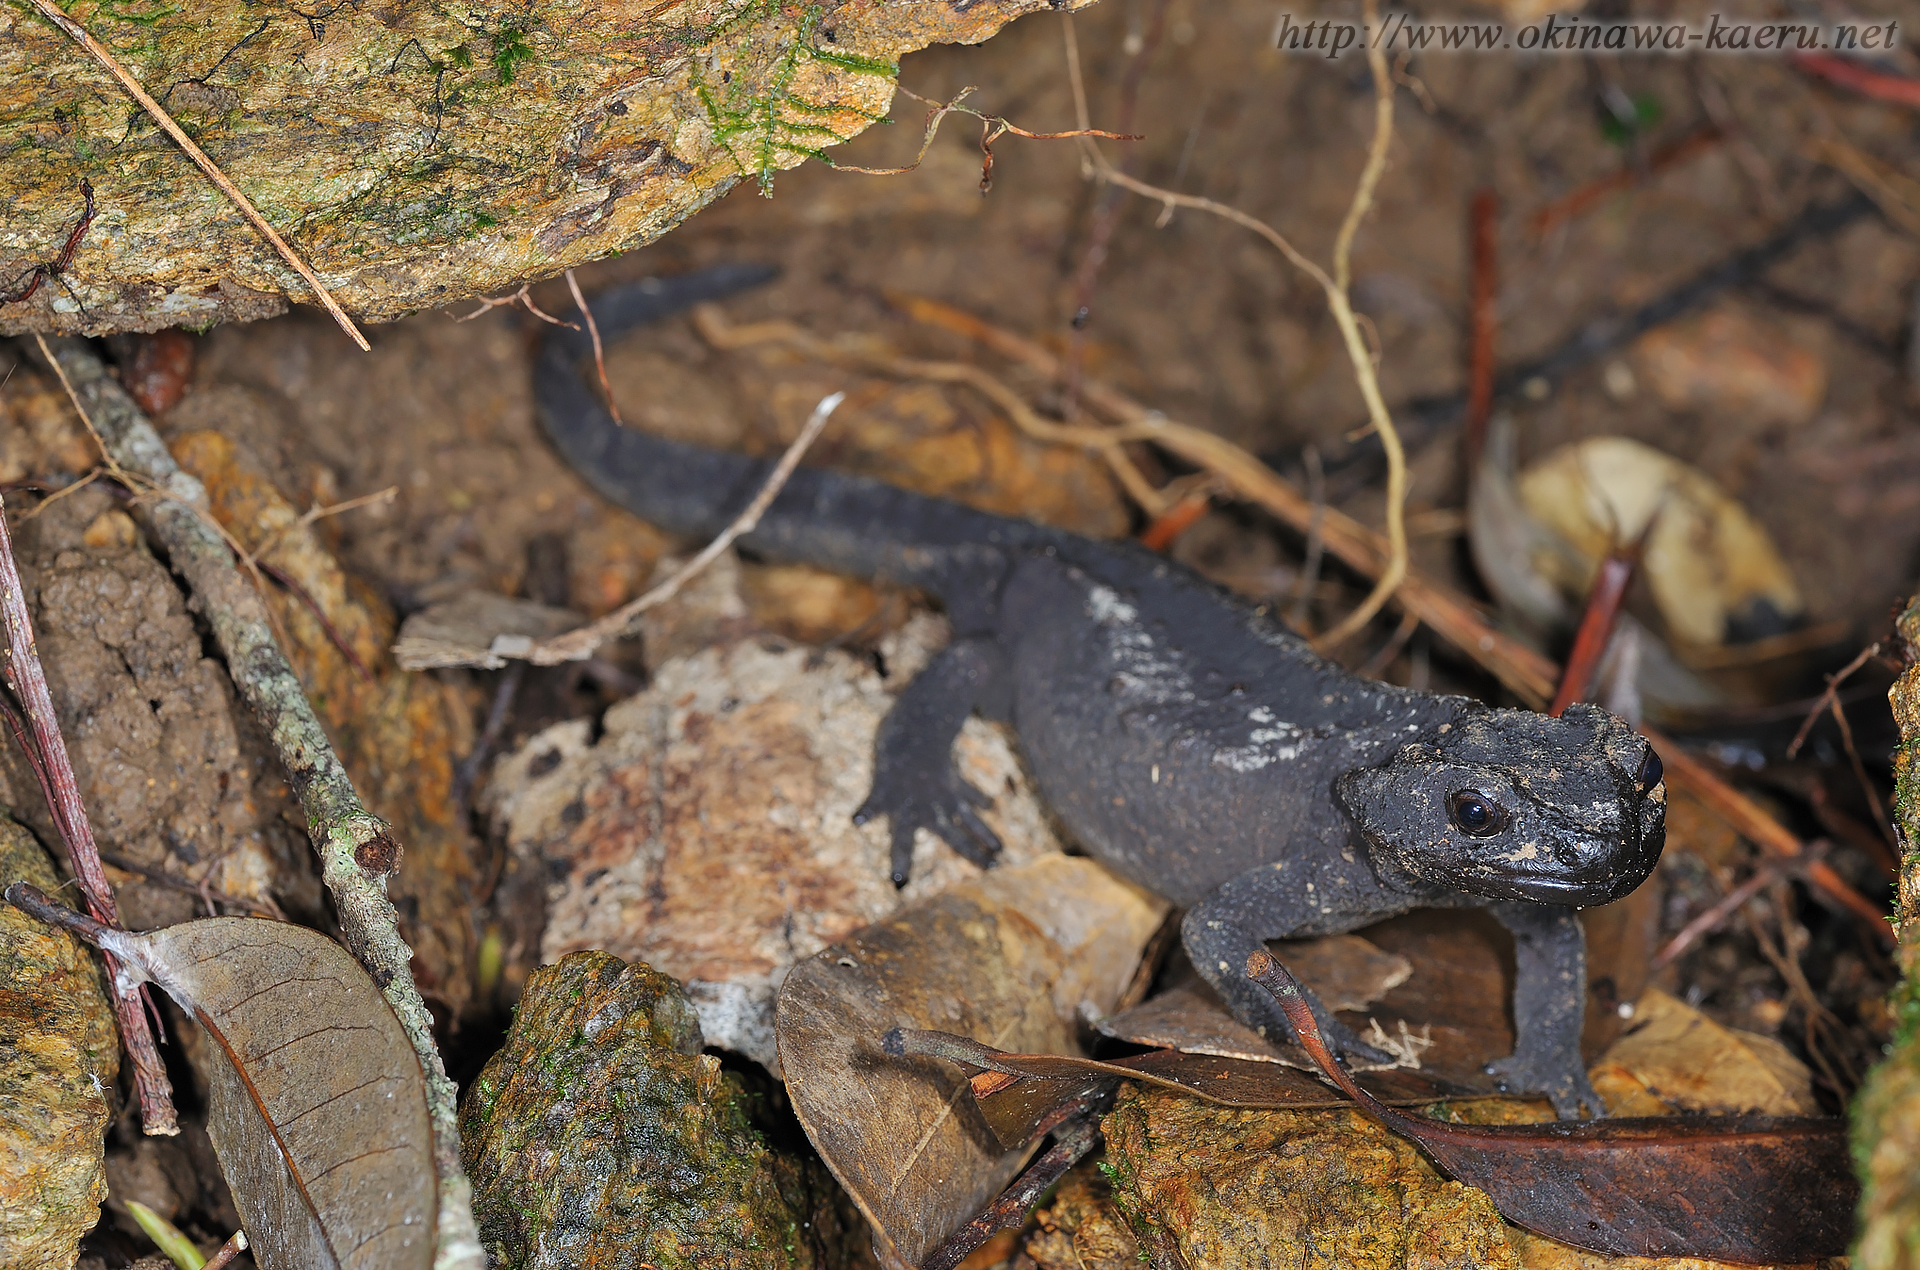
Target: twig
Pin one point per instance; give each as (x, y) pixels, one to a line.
(161, 877)
(1763, 831)
(224, 1255)
(1377, 664)
(1483, 323)
(1829, 697)
(1568, 206)
(355, 849)
(206, 165)
(524, 296)
(1334, 284)
(1110, 443)
(28, 284)
(1765, 874)
(1010, 1209)
(46, 751)
(992, 128)
(1316, 552)
(1106, 213)
(599, 354)
(580, 643)
(1177, 519)
(1871, 83)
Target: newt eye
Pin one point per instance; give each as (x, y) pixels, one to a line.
(1474, 814)
(1650, 771)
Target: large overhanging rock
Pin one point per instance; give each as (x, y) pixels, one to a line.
(416, 152)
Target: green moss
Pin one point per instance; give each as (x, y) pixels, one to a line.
(510, 49)
(600, 1135)
(757, 124)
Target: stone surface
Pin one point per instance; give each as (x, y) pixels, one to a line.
(600, 1137)
(710, 830)
(59, 1054)
(173, 772)
(416, 154)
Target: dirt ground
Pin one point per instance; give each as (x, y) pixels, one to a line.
(1205, 322)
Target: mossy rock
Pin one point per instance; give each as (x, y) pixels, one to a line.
(59, 1054)
(415, 152)
(600, 1137)
(1204, 1185)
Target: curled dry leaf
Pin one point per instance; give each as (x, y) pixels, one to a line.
(1014, 959)
(317, 1106)
(1752, 1189)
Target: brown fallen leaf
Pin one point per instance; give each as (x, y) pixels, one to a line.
(1016, 958)
(317, 1106)
(1751, 1189)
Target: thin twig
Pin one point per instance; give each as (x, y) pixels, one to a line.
(992, 128)
(524, 296)
(599, 354)
(160, 877)
(1334, 284)
(46, 750)
(206, 165)
(581, 643)
(1765, 873)
(224, 1255)
(1829, 697)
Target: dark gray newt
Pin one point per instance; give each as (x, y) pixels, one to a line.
(1183, 737)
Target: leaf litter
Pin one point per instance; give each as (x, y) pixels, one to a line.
(317, 1104)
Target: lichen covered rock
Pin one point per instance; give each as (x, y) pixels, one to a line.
(601, 1137)
(59, 1054)
(1318, 1188)
(415, 153)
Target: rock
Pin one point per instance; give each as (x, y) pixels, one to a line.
(601, 1136)
(173, 773)
(415, 155)
(1256, 1188)
(59, 1054)
(710, 830)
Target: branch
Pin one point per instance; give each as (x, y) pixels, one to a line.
(1333, 284)
(356, 852)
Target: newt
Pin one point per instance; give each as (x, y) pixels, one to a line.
(1184, 736)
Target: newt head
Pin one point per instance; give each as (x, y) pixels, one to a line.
(1515, 805)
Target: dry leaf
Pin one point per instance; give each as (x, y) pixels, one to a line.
(317, 1106)
(1752, 1189)
(1685, 1059)
(1015, 959)
(1715, 573)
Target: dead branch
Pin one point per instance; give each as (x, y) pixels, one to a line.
(1334, 285)
(580, 644)
(355, 849)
